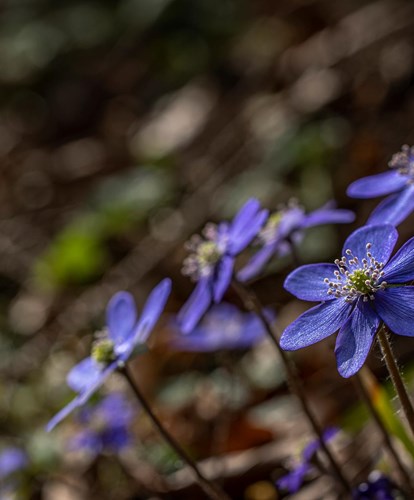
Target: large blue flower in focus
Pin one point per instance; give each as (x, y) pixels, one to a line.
(125, 334)
(211, 261)
(399, 180)
(285, 228)
(359, 291)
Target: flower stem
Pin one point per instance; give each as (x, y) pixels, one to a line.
(396, 376)
(252, 304)
(212, 490)
(363, 379)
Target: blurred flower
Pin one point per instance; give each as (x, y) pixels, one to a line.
(357, 292)
(125, 334)
(12, 460)
(400, 180)
(292, 481)
(285, 228)
(223, 327)
(106, 426)
(212, 260)
(378, 487)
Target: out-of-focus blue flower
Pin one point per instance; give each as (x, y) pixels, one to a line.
(285, 228)
(292, 481)
(223, 327)
(12, 459)
(212, 258)
(378, 487)
(399, 182)
(125, 334)
(106, 426)
(359, 291)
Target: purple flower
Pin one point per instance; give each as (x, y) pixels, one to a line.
(286, 227)
(378, 487)
(399, 180)
(292, 481)
(223, 327)
(359, 291)
(107, 426)
(124, 335)
(12, 459)
(212, 260)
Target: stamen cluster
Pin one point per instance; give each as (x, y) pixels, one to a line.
(103, 349)
(269, 232)
(355, 278)
(403, 162)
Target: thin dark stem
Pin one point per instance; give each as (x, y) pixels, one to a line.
(252, 304)
(212, 490)
(361, 379)
(396, 376)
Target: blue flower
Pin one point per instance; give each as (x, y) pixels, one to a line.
(378, 487)
(125, 334)
(107, 426)
(399, 180)
(292, 481)
(212, 260)
(286, 227)
(223, 327)
(357, 292)
(12, 459)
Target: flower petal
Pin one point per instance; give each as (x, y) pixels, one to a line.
(196, 305)
(223, 280)
(315, 325)
(382, 237)
(307, 282)
(121, 316)
(377, 185)
(394, 209)
(328, 216)
(84, 374)
(355, 339)
(63, 413)
(257, 263)
(246, 225)
(396, 308)
(400, 269)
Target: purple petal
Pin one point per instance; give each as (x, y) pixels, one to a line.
(396, 308)
(12, 459)
(243, 216)
(64, 412)
(328, 216)
(121, 316)
(307, 282)
(224, 275)
(293, 481)
(246, 225)
(196, 305)
(355, 339)
(82, 375)
(394, 209)
(257, 263)
(292, 219)
(377, 185)
(382, 237)
(315, 325)
(400, 269)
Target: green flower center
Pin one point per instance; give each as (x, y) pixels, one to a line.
(208, 253)
(103, 351)
(361, 281)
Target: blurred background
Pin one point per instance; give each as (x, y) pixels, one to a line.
(124, 127)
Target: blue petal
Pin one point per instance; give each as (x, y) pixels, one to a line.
(84, 374)
(196, 305)
(396, 308)
(307, 282)
(382, 236)
(257, 263)
(245, 226)
(355, 339)
(223, 280)
(394, 209)
(315, 325)
(291, 219)
(243, 216)
(328, 216)
(64, 412)
(292, 481)
(121, 316)
(377, 185)
(153, 309)
(400, 269)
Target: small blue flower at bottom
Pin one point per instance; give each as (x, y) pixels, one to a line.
(125, 335)
(378, 487)
(359, 291)
(12, 459)
(212, 258)
(292, 481)
(106, 426)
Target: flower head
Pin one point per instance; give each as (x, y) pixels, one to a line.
(212, 257)
(358, 291)
(12, 459)
(398, 181)
(285, 228)
(223, 327)
(124, 335)
(378, 487)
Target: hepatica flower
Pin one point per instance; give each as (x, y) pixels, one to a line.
(378, 487)
(124, 335)
(211, 261)
(398, 182)
(12, 459)
(224, 327)
(286, 227)
(359, 291)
